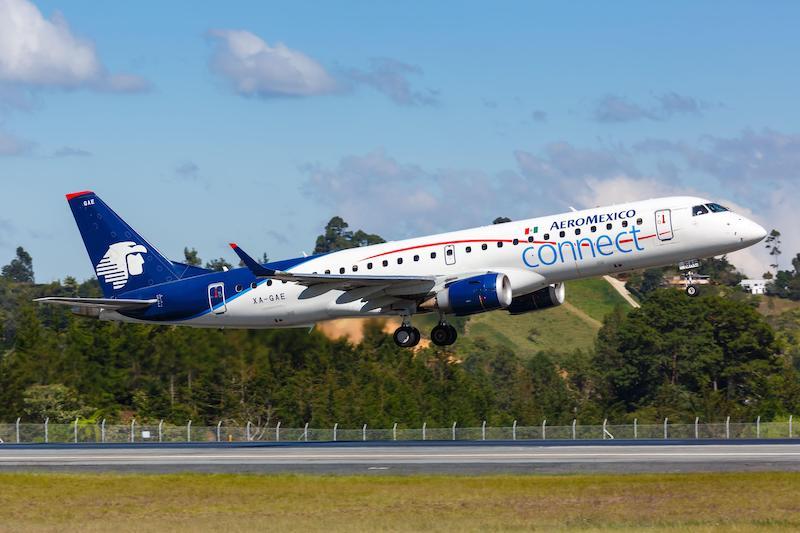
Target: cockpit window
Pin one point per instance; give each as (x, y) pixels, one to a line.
(699, 210)
(716, 208)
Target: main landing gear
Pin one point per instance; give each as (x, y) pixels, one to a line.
(407, 336)
(443, 334)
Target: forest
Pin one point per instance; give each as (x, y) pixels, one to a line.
(675, 356)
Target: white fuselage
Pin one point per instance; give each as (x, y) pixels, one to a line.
(533, 253)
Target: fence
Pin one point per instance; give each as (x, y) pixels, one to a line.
(80, 431)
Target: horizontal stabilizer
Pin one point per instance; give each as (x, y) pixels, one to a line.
(111, 304)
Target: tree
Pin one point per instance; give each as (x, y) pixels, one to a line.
(773, 244)
(20, 268)
(692, 346)
(337, 237)
(56, 402)
(218, 265)
(721, 271)
(190, 257)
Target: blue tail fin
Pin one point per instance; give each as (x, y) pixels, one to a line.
(122, 259)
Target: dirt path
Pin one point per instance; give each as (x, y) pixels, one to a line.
(620, 287)
(583, 316)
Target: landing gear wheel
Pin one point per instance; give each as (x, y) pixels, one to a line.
(440, 335)
(453, 334)
(692, 291)
(406, 336)
(444, 335)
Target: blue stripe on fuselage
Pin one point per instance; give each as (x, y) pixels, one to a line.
(187, 298)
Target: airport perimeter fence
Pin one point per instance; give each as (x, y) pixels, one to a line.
(82, 431)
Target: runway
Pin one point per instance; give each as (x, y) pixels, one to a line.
(408, 458)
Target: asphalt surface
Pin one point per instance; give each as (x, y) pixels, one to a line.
(409, 458)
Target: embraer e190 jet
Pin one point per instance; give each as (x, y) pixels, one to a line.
(518, 267)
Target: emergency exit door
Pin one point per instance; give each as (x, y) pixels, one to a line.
(664, 224)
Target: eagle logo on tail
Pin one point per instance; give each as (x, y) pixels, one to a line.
(122, 260)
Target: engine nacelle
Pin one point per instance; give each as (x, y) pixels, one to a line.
(475, 295)
(551, 296)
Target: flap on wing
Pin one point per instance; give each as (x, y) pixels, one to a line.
(115, 304)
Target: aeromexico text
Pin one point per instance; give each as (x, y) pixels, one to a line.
(582, 248)
(593, 219)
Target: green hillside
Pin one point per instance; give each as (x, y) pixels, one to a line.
(564, 328)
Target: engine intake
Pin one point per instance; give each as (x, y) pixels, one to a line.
(551, 296)
(475, 295)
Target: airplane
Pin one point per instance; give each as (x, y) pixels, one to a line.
(518, 266)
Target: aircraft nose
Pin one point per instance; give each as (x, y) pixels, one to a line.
(751, 232)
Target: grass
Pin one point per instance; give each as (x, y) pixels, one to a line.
(559, 329)
(228, 502)
(556, 329)
(594, 296)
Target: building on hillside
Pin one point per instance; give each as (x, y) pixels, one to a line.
(754, 286)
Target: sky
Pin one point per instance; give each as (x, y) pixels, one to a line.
(256, 122)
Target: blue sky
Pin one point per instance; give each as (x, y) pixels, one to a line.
(256, 122)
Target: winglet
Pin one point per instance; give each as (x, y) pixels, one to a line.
(251, 263)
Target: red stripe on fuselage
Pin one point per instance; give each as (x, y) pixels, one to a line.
(466, 241)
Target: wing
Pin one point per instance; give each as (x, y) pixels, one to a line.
(357, 287)
(111, 304)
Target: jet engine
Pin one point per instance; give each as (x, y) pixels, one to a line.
(551, 296)
(475, 295)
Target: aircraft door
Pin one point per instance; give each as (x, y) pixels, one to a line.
(664, 224)
(450, 254)
(216, 298)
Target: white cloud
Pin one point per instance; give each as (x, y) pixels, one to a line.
(255, 68)
(37, 52)
(391, 78)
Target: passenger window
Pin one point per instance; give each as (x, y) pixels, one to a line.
(638, 221)
(516, 242)
(483, 246)
(530, 239)
(399, 260)
(238, 288)
(593, 229)
(561, 233)
(341, 270)
(699, 210)
(499, 244)
(254, 285)
(369, 266)
(624, 223)
(355, 268)
(577, 231)
(609, 225)
(449, 251)
(416, 258)
(433, 255)
(385, 262)
(328, 271)
(547, 236)
(468, 249)
(269, 282)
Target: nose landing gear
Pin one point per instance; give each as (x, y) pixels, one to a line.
(687, 268)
